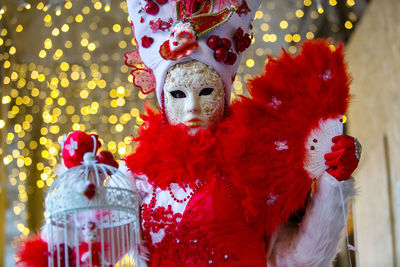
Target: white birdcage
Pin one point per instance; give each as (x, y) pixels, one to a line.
(92, 217)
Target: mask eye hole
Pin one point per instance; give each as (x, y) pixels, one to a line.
(185, 35)
(178, 94)
(206, 91)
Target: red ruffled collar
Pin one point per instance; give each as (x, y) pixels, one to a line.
(168, 154)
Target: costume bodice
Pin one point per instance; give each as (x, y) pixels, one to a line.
(200, 224)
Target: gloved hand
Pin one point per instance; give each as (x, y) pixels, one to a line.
(344, 158)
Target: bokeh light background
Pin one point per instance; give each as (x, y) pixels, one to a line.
(62, 69)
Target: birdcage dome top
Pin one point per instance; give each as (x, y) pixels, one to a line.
(89, 186)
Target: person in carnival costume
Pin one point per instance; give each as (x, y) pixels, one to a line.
(219, 182)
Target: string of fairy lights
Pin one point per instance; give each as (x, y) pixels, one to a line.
(62, 70)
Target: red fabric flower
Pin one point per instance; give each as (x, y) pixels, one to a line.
(242, 40)
(106, 157)
(76, 146)
(147, 41)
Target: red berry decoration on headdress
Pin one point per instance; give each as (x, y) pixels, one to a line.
(222, 49)
(231, 59)
(221, 54)
(151, 8)
(214, 42)
(226, 43)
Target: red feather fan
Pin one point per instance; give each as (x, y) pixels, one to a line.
(267, 155)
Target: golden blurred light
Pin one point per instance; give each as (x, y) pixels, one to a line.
(292, 49)
(12, 50)
(350, 3)
(264, 27)
(309, 35)
(314, 14)
(64, 66)
(86, 10)
(307, 2)
(58, 11)
(122, 44)
(64, 83)
(47, 18)
(107, 8)
(288, 38)
(74, 75)
(6, 99)
(296, 38)
(49, 182)
(91, 47)
(120, 101)
(299, 13)
(121, 150)
(119, 127)
(40, 184)
(259, 14)
(116, 27)
(35, 92)
(352, 16)
(283, 24)
(55, 32)
(79, 18)
(250, 63)
(65, 28)
(348, 25)
(86, 56)
(68, 44)
(98, 5)
(48, 43)
(68, 5)
(19, 28)
(91, 84)
(58, 54)
(332, 2)
(41, 77)
(17, 210)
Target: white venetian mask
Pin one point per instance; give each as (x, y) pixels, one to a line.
(194, 95)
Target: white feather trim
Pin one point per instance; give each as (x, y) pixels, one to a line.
(315, 242)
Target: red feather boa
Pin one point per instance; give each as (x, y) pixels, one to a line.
(311, 86)
(32, 252)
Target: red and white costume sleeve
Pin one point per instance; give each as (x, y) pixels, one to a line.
(213, 198)
(315, 241)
